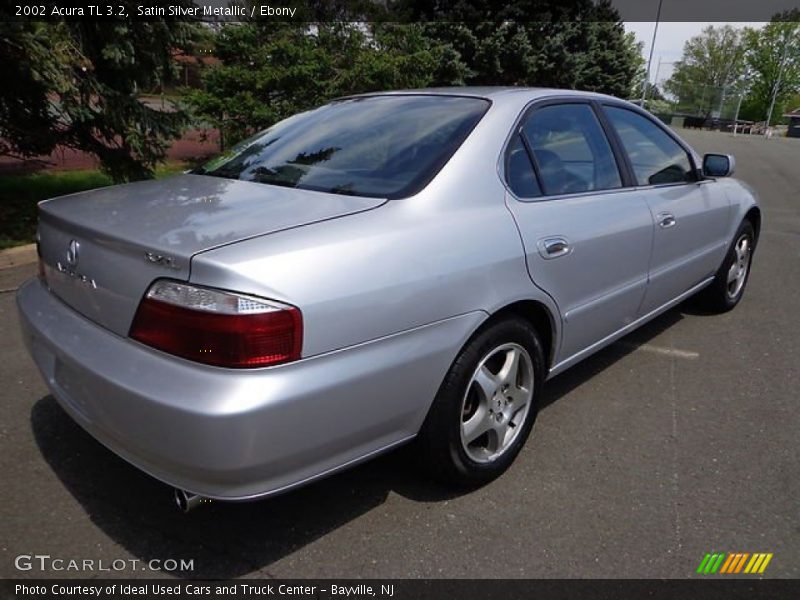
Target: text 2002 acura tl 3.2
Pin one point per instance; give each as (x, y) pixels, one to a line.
(388, 266)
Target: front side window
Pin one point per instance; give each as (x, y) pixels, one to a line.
(570, 150)
(656, 157)
(380, 146)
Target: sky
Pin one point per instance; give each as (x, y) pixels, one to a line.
(669, 42)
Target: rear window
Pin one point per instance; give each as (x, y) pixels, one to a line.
(380, 146)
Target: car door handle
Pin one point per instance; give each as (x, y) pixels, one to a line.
(666, 220)
(554, 247)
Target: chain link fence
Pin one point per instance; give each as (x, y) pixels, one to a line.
(705, 107)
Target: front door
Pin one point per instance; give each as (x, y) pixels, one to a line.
(587, 239)
(690, 216)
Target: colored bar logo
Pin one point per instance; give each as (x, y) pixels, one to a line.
(734, 562)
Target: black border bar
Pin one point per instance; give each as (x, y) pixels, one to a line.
(389, 10)
(733, 588)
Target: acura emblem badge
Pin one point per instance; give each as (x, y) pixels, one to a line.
(72, 253)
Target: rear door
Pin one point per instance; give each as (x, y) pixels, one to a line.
(691, 217)
(587, 236)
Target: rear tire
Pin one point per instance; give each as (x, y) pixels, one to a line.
(727, 289)
(486, 406)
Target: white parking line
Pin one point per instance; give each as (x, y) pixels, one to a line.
(687, 354)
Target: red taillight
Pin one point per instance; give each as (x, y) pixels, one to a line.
(217, 328)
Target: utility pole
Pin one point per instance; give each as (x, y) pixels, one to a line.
(725, 88)
(777, 85)
(736, 117)
(650, 59)
(721, 101)
(658, 70)
(703, 101)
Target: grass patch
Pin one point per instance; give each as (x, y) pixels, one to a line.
(19, 195)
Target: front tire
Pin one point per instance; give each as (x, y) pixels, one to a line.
(727, 289)
(486, 406)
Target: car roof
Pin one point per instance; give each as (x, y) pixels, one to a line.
(500, 95)
(493, 93)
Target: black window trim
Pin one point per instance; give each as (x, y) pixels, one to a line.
(698, 176)
(621, 159)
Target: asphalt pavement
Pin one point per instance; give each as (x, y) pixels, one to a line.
(679, 440)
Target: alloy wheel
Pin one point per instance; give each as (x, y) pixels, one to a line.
(737, 274)
(497, 401)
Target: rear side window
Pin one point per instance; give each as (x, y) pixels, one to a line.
(381, 146)
(571, 150)
(520, 175)
(656, 158)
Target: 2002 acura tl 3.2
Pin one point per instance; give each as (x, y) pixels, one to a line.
(387, 266)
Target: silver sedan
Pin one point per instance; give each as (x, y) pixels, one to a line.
(386, 268)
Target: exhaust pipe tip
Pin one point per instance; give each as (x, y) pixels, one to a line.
(187, 501)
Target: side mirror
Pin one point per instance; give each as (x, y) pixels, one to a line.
(718, 165)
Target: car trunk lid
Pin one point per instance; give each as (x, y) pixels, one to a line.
(103, 248)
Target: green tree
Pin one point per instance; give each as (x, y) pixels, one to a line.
(793, 103)
(773, 62)
(74, 84)
(712, 67)
(269, 72)
(577, 45)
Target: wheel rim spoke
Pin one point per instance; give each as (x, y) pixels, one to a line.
(486, 383)
(510, 370)
(477, 425)
(519, 397)
(514, 420)
(733, 273)
(501, 435)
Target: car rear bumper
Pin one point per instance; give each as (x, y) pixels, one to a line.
(237, 434)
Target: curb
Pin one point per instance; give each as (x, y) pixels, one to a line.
(17, 256)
